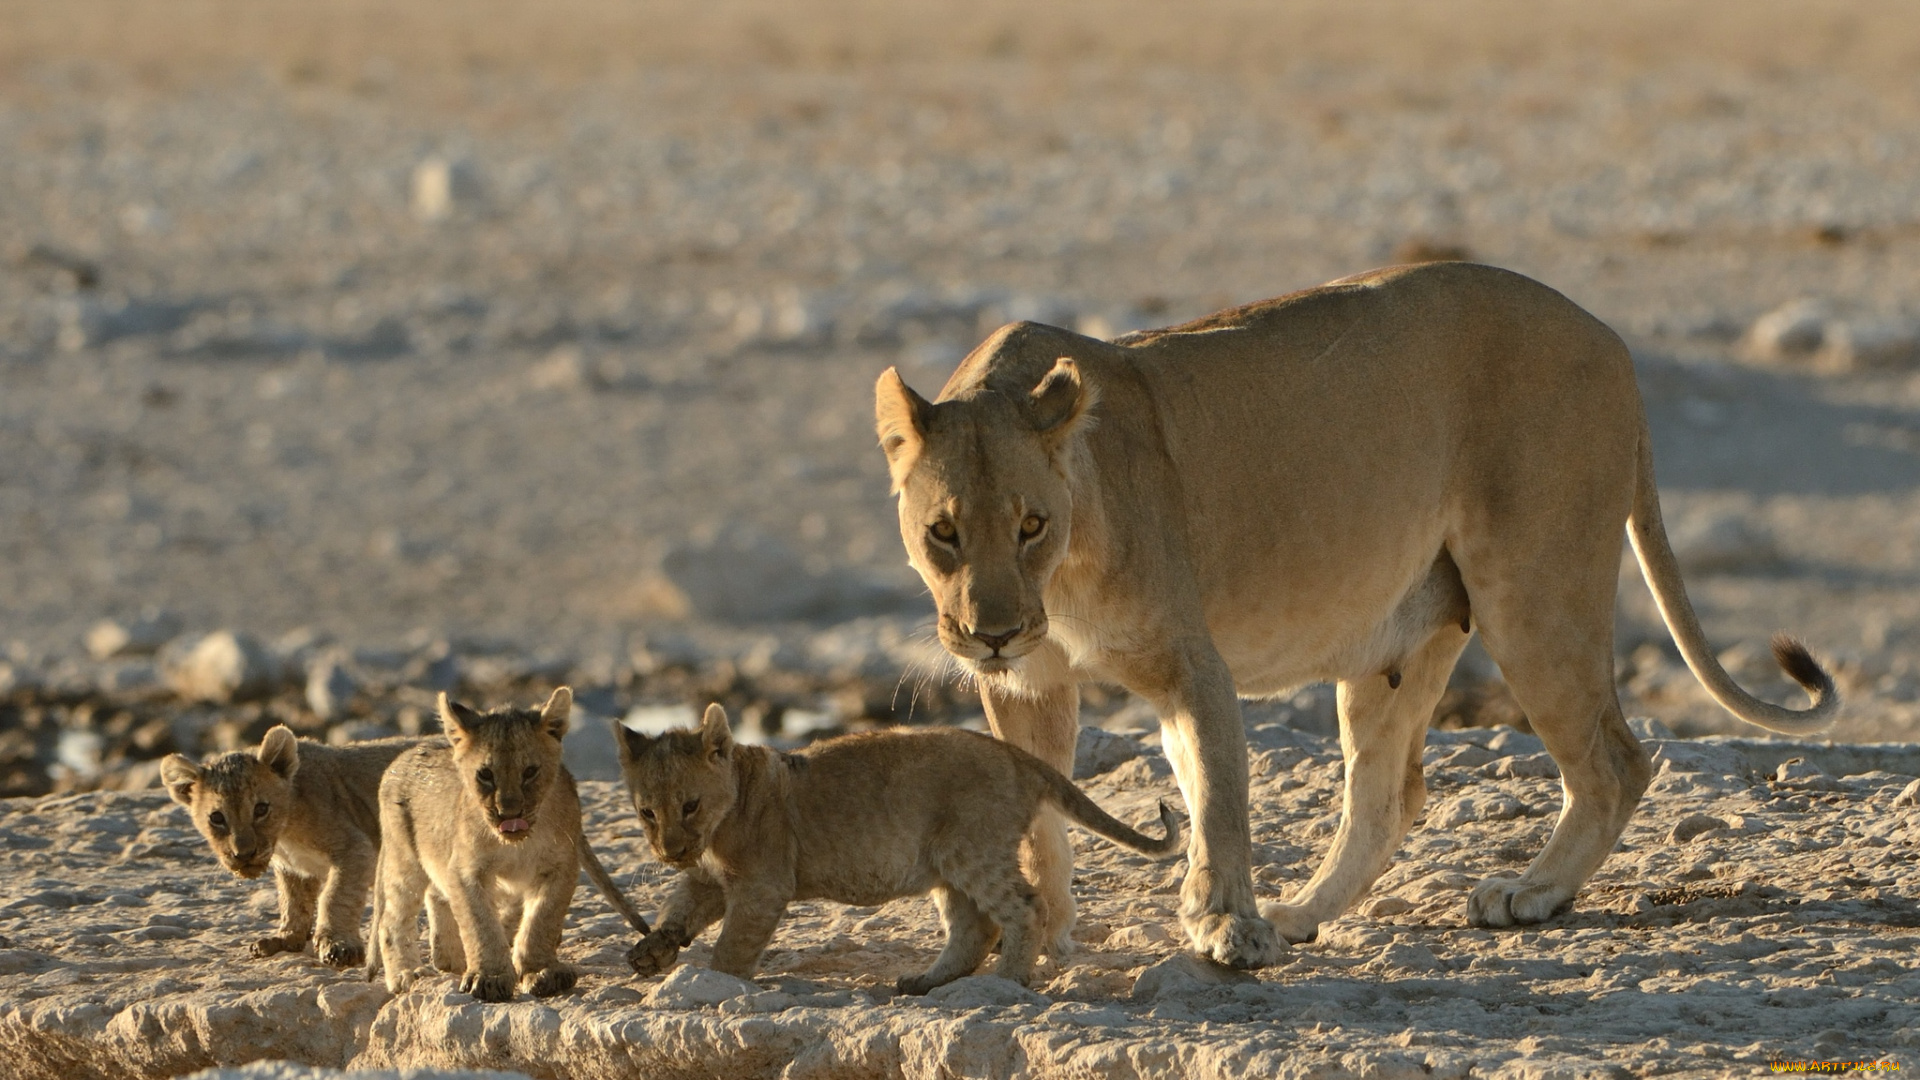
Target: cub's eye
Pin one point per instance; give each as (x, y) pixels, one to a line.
(1033, 526)
(943, 531)
(687, 810)
(259, 810)
(218, 820)
(485, 776)
(648, 814)
(528, 772)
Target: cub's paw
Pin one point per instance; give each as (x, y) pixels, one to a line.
(1504, 901)
(1294, 924)
(1242, 941)
(399, 981)
(557, 979)
(917, 984)
(653, 955)
(451, 961)
(279, 943)
(487, 987)
(336, 953)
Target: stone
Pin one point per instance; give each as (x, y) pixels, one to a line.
(1186, 973)
(740, 575)
(142, 636)
(1885, 344)
(978, 991)
(1792, 331)
(1692, 826)
(1799, 771)
(1099, 751)
(690, 987)
(287, 1070)
(442, 185)
(1909, 795)
(1386, 907)
(1646, 727)
(1140, 937)
(224, 666)
(330, 686)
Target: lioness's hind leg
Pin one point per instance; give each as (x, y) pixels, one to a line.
(969, 935)
(1382, 732)
(1545, 611)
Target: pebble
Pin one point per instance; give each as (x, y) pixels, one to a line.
(222, 667)
(691, 987)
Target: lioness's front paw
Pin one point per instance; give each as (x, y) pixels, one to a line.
(1505, 901)
(653, 955)
(1242, 941)
(1294, 924)
(547, 982)
(338, 953)
(916, 984)
(487, 987)
(279, 943)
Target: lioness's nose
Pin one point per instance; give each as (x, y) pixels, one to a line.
(994, 639)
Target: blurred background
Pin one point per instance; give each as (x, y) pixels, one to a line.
(353, 350)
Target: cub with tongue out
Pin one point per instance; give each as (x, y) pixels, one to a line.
(485, 826)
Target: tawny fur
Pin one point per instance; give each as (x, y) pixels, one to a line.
(307, 810)
(485, 826)
(861, 820)
(1330, 486)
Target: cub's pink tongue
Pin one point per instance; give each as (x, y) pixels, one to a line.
(514, 825)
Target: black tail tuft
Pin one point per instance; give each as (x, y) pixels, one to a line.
(1801, 667)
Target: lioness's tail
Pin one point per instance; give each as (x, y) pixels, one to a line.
(608, 889)
(1075, 804)
(1662, 572)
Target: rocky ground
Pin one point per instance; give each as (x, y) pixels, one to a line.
(1760, 907)
(354, 352)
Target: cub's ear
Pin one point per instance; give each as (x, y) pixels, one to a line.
(456, 720)
(557, 711)
(631, 744)
(714, 732)
(280, 751)
(179, 774)
(1061, 400)
(900, 416)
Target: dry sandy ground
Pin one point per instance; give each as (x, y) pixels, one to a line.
(499, 344)
(1745, 917)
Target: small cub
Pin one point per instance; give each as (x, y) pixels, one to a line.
(861, 819)
(308, 810)
(485, 826)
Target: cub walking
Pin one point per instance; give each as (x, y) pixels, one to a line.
(309, 811)
(485, 826)
(861, 819)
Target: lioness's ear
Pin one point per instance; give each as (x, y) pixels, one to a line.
(1060, 401)
(714, 731)
(631, 744)
(280, 751)
(179, 774)
(558, 709)
(900, 416)
(456, 720)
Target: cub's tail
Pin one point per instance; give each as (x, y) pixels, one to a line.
(604, 882)
(1662, 572)
(1074, 803)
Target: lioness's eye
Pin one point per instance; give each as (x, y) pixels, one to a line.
(1033, 526)
(648, 814)
(687, 810)
(259, 811)
(944, 532)
(529, 771)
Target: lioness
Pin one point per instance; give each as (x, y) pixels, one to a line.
(308, 810)
(861, 819)
(486, 825)
(1334, 485)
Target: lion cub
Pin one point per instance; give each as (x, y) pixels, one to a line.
(861, 819)
(309, 811)
(486, 826)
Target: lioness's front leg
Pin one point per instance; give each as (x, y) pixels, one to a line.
(1206, 741)
(1046, 723)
